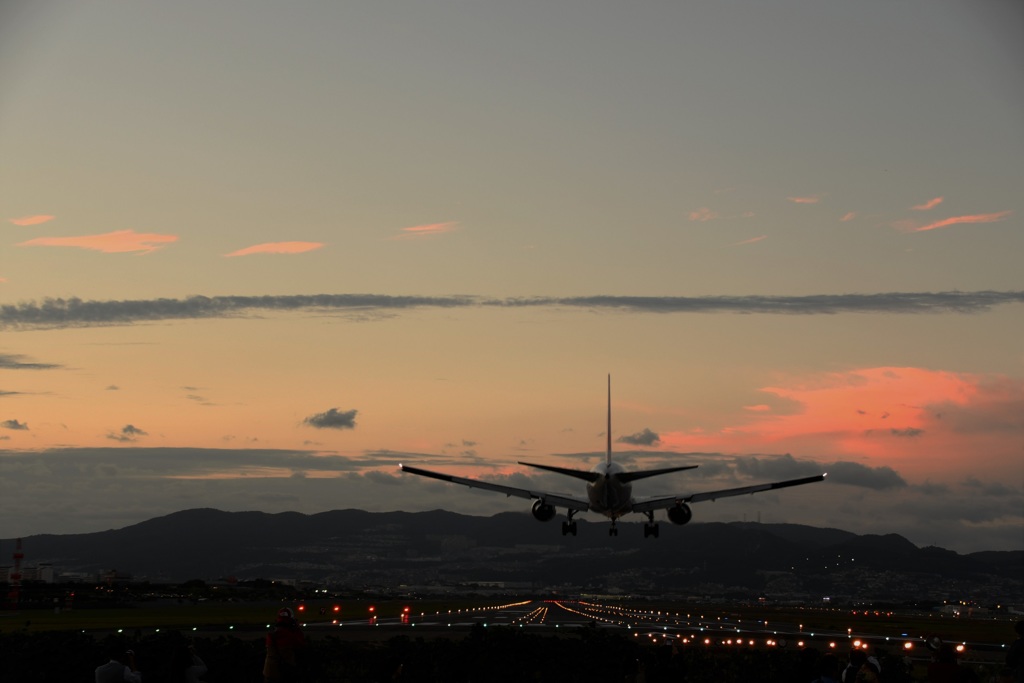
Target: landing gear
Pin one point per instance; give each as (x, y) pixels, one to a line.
(613, 530)
(651, 527)
(569, 525)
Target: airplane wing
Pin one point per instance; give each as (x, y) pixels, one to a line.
(672, 501)
(555, 499)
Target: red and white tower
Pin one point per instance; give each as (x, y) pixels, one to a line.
(15, 577)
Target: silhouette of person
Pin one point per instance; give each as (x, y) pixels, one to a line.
(186, 665)
(828, 669)
(857, 659)
(120, 668)
(944, 668)
(1015, 657)
(869, 672)
(285, 650)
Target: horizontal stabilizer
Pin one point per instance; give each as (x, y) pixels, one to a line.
(579, 474)
(626, 477)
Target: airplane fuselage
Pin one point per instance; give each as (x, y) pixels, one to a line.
(606, 494)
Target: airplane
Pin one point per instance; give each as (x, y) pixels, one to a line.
(609, 491)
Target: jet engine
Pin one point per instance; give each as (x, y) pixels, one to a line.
(543, 512)
(680, 514)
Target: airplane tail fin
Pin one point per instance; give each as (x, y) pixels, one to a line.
(608, 454)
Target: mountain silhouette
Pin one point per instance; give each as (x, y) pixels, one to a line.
(423, 549)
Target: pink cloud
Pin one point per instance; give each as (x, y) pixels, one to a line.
(813, 199)
(955, 220)
(916, 419)
(31, 220)
(751, 240)
(428, 230)
(930, 204)
(849, 216)
(703, 214)
(277, 248)
(120, 241)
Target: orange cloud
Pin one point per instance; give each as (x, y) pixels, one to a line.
(751, 240)
(813, 199)
(31, 220)
(428, 230)
(703, 214)
(849, 216)
(930, 204)
(955, 220)
(277, 248)
(109, 243)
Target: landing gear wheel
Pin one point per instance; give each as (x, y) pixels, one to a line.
(613, 531)
(569, 528)
(650, 530)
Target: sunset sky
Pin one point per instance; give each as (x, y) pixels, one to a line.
(256, 254)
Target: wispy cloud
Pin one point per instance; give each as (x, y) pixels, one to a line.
(9, 361)
(14, 424)
(277, 248)
(956, 220)
(810, 199)
(848, 216)
(930, 204)
(64, 313)
(31, 220)
(751, 240)
(428, 230)
(120, 241)
(703, 214)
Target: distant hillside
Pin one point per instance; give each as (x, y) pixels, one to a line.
(357, 549)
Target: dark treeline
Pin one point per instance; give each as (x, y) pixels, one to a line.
(492, 654)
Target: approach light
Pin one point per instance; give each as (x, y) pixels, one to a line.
(908, 645)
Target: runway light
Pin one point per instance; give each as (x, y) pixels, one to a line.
(908, 646)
